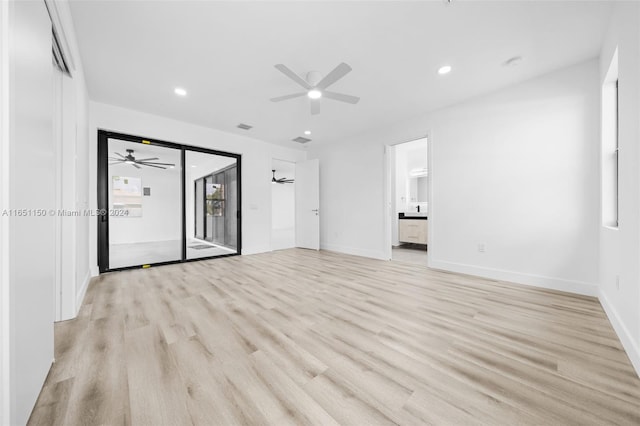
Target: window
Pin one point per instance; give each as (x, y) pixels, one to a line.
(610, 146)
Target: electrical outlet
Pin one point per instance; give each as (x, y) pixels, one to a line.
(482, 247)
(617, 282)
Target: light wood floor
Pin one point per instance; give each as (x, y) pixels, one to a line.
(411, 253)
(304, 337)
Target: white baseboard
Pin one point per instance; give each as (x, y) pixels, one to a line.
(82, 291)
(630, 347)
(542, 281)
(375, 254)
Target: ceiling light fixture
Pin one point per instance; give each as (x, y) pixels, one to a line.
(307, 132)
(180, 91)
(444, 70)
(314, 94)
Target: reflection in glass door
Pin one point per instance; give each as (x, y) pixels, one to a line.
(214, 204)
(199, 207)
(145, 193)
(165, 202)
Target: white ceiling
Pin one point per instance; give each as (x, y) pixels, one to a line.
(199, 164)
(135, 53)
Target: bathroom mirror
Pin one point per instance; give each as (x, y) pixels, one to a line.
(418, 189)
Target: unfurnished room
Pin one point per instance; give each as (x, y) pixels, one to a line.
(313, 212)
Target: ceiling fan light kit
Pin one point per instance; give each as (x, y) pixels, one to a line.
(316, 87)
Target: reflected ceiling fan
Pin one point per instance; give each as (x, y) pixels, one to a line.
(281, 180)
(130, 159)
(315, 87)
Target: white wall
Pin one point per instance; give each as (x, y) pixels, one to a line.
(620, 249)
(256, 164)
(5, 305)
(513, 170)
(28, 182)
(353, 211)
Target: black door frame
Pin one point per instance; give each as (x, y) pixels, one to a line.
(103, 196)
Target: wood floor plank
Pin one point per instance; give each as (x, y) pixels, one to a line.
(321, 338)
(157, 395)
(210, 397)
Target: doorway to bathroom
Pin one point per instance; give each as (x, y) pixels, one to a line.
(409, 201)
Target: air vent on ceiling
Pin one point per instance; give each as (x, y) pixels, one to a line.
(244, 126)
(300, 139)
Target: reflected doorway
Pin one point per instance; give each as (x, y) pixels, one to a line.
(283, 204)
(212, 205)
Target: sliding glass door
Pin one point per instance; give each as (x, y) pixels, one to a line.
(164, 202)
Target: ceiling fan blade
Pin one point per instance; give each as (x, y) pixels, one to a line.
(136, 166)
(341, 97)
(120, 155)
(116, 159)
(335, 75)
(293, 76)
(315, 106)
(150, 165)
(146, 159)
(147, 163)
(285, 97)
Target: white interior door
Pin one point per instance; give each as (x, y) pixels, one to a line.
(308, 204)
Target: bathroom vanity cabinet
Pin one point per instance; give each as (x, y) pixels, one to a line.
(412, 229)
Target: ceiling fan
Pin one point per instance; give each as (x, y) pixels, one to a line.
(130, 159)
(315, 87)
(281, 180)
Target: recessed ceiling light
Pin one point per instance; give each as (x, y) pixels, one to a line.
(444, 70)
(512, 62)
(194, 165)
(180, 91)
(307, 132)
(314, 94)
